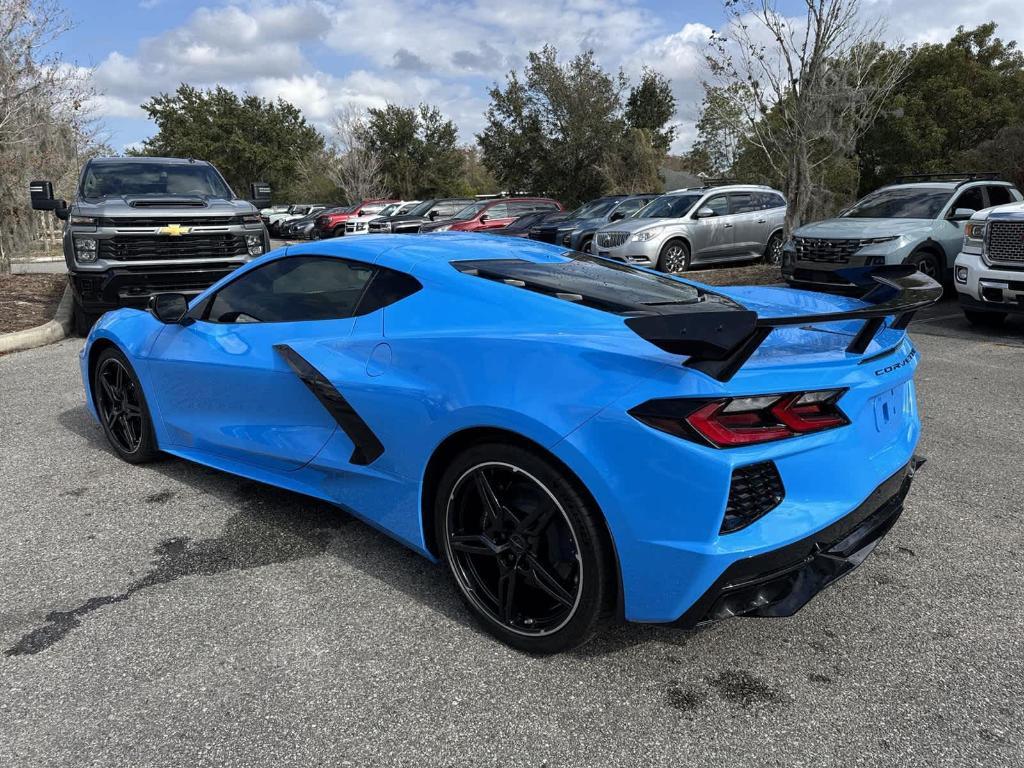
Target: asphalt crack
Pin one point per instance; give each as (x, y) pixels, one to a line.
(272, 527)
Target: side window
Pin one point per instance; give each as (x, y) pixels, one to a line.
(768, 200)
(386, 287)
(291, 290)
(445, 210)
(719, 204)
(743, 202)
(544, 205)
(970, 198)
(520, 209)
(497, 211)
(999, 195)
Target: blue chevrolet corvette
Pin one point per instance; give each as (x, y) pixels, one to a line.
(576, 439)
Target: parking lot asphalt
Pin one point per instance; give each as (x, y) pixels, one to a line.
(171, 615)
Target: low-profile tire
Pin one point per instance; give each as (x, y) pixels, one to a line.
(985, 319)
(674, 257)
(83, 321)
(587, 246)
(527, 551)
(927, 263)
(122, 408)
(773, 250)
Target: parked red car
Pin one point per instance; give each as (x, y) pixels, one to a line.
(333, 224)
(492, 214)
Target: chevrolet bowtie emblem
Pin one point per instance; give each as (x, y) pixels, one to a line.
(174, 230)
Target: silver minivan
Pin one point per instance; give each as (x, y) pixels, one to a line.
(698, 225)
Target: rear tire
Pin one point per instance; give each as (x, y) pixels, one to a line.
(528, 553)
(773, 250)
(674, 257)
(985, 319)
(122, 408)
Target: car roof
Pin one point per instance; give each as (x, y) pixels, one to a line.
(946, 186)
(723, 188)
(163, 160)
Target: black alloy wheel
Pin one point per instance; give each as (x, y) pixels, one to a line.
(122, 408)
(523, 549)
(675, 257)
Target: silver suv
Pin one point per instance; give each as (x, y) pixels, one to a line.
(686, 227)
(917, 221)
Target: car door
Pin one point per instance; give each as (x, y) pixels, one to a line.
(226, 387)
(950, 233)
(750, 224)
(496, 216)
(712, 237)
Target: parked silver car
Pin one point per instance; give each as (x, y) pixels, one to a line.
(699, 225)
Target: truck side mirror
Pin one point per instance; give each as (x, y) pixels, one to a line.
(168, 308)
(260, 193)
(41, 193)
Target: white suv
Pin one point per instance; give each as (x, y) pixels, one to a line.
(989, 272)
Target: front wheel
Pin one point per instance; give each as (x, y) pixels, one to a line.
(587, 246)
(338, 231)
(528, 553)
(926, 264)
(121, 406)
(674, 257)
(773, 251)
(985, 319)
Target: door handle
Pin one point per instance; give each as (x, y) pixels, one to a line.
(726, 226)
(761, 221)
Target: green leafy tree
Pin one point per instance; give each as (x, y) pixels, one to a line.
(247, 137)
(953, 96)
(720, 130)
(651, 106)
(632, 165)
(417, 148)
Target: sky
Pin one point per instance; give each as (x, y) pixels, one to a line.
(322, 54)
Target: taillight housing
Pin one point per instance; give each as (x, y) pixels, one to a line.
(728, 422)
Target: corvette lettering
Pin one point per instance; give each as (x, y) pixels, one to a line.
(896, 366)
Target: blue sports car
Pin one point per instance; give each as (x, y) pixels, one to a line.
(576, 439)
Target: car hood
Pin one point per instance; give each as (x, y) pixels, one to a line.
(1000, 210)
(161, 205)
(863, 228)
(573, 223)
(635, 225)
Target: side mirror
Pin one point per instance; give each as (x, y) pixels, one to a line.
(41, 193)
(432, 215)
(704, 213)
(168, 308)
(483, 217)
(260, 193)
(616, 216)
(962, 214)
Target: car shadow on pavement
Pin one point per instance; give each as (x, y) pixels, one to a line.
(271, 525)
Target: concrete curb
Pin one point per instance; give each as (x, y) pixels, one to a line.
(44, 334)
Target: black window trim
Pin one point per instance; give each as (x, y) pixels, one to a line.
(201, 311)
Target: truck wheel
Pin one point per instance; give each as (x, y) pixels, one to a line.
(986, 319)
(338, 231)
(84, 321)
(675, 257)
(926, 264)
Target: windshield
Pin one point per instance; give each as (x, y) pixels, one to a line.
(598, 210)
(422, 208)
(905, 203)
(668, 207)
(105, 179)
(387, 210)
(469, 212)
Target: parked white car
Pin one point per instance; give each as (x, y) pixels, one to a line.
(358, 225)
(989, 271)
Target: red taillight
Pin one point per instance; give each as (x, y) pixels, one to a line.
(735, 421)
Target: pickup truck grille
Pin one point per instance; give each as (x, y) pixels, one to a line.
(611, 239)
(827, 250)
(1006, 241)
(141, 248)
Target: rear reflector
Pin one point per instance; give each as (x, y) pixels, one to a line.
(731, 422)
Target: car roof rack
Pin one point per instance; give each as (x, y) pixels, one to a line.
(963, 177)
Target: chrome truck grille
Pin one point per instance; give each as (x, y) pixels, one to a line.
(611, 239)
(1006, 241)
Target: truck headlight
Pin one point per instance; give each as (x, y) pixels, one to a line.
(974, 236)
(385, 226)
(85, 249)
(647, 234)
(82, 221)
(255, 244)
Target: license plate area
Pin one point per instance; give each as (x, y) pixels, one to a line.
(889, 408)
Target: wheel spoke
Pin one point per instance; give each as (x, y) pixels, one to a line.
(108, 388)
(546, 581)
(488, 496)
(110, 417)
(538, 521)
(507, 593)
(129, 431)
(132, 409)
(475, 545)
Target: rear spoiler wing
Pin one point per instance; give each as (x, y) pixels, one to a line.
(718, 343)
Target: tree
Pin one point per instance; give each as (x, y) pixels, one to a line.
(650, 106)
(810, 92)
(720, 129)
(417, 148)
(1003, 154)
(632, 165)
(548, 130)
(474, 178)
(248, 138)
(953, 96)
(46, 129)
(348, 162)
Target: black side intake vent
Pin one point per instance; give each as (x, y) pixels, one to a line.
(755, 491)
